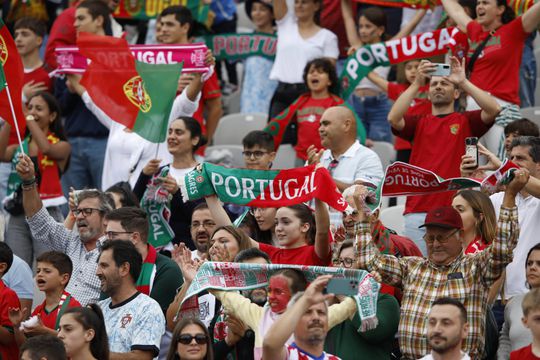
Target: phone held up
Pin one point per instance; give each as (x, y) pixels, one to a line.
(337, 286)
(441, 70)
(471, 149)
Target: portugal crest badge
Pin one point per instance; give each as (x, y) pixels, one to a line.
(3, 51)
(136, 93)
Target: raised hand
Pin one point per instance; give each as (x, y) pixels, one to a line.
(151, 167)
(25, 168)
(314, 156)
(314, 292)
(182, 256)
(16, 316)
(457, 71)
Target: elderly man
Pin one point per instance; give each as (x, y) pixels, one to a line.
(446, 271)
(82, 247)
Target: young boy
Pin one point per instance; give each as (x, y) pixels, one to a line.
(29, 33)
(8, 300)
(531, 320)
(258, 150)
(52, 276)
(517, 128)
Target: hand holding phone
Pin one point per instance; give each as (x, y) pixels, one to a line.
(471, 149)
(441, 70)
(339, 286)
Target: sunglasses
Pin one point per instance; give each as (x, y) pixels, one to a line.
(186, 339)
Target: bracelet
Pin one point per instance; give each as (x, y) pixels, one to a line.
(28, 187)
(29, 182)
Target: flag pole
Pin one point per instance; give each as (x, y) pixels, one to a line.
(157, 151)
(14, 119)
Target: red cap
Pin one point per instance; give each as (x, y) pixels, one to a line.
(445, 217)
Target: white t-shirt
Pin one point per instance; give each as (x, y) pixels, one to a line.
(178, 174)
(136, 324)
(293, 52)
(365, 83)
(463, 357)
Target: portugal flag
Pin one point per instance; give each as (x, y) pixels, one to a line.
(135, 94)
(11, 73)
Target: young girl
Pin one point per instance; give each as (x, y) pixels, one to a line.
(82, 329)
(321, 80)
(370, 104)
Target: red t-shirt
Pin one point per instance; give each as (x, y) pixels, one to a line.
(304, 255)
(439, 143)
(497, 68)
(525, 353)
(332, 20)
(308, 117)
(48, 318)
(39, 75)
(210, 90)
(8, 299)
(476, 246)
(62, 33)
(420, 106)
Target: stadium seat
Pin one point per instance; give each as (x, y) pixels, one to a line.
(386, 152)
(285, 157)
(392, 218)
(231, 103)
(225, 155)
(232, 128)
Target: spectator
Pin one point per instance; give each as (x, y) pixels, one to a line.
(346, 340)
(43, 347)
(444, 124)
(46, 144)
(81, 247)
(257, 88)
(307, 320)
(9, 350)
(134, 321)
(202, 226)
(445, 271)
(53, 273)
(20, 279)
(182, 346)
(82, 330)
(531, 312)
(447, 329)
(520, 127)
(495, 56)
(369, 102)
(183, 139)
(122, 195)
(225, 22)
(177, 28)
(300, 39)
(514, 334)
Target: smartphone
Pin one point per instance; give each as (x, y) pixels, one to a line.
(471, 149)
(441, 70)
(338, 286)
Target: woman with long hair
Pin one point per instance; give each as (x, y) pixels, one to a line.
(46, 145)
(82, 329)
(191, 341)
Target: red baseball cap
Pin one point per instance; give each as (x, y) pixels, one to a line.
(445, 217)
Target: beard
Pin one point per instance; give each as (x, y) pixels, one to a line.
(446, 345)
(88, 235)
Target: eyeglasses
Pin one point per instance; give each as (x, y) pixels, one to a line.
(346, 262)
(256, 154)
(85, 211)
(186, 339)
(256, 210)
(207, 224)
(111, 235)
(442, 239)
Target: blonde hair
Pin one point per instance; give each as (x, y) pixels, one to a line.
(531, 301)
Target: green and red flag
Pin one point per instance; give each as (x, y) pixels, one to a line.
(135, 94)
(263, 188)
(11, 72)
(150, 9)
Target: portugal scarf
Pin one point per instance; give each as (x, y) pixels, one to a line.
(148, 266)
(262, 188)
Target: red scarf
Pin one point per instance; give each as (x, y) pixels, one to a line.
(143, 282)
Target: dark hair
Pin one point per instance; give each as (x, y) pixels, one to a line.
(345, 245)
(298, 279)
(532, 142)
(37, 26)
(44, 346)
(304, 213)
(469, 4)
(91, 317)
(132, 219)
(508, 14)
(125, 252)
(194, 129)
(58, 260)
(244, 242)
(6, 255)
(454, 302)
(250, 254)
(123, 189)
(376, 16)
(54, 107)
(534, 248)
(200, 206)
(97, 8)
(327, 67)
(260, 138)
(524, 127)
(106, 202)
(261, 236)
(481, 204)
(182, 14)
(172, 354)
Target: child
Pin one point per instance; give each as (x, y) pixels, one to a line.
(321, 79)
(29, 34)
(8, 300)
(531, 320)
(52, 276)
(258, 150)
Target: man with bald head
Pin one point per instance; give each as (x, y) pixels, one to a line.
(348, 161)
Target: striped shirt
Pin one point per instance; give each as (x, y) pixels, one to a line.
(84, 284)
(467, 279)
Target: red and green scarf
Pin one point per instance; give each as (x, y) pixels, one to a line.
(149, 264)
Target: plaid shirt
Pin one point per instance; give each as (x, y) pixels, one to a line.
(84, 284)
(467, 279)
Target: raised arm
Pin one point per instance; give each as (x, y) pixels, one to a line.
(531, 18)
(411, 25)
(456, 12)
(322, 223)
(59, 151)
(378, 80)
(6, 152)
(280, 9)
(350, 24)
